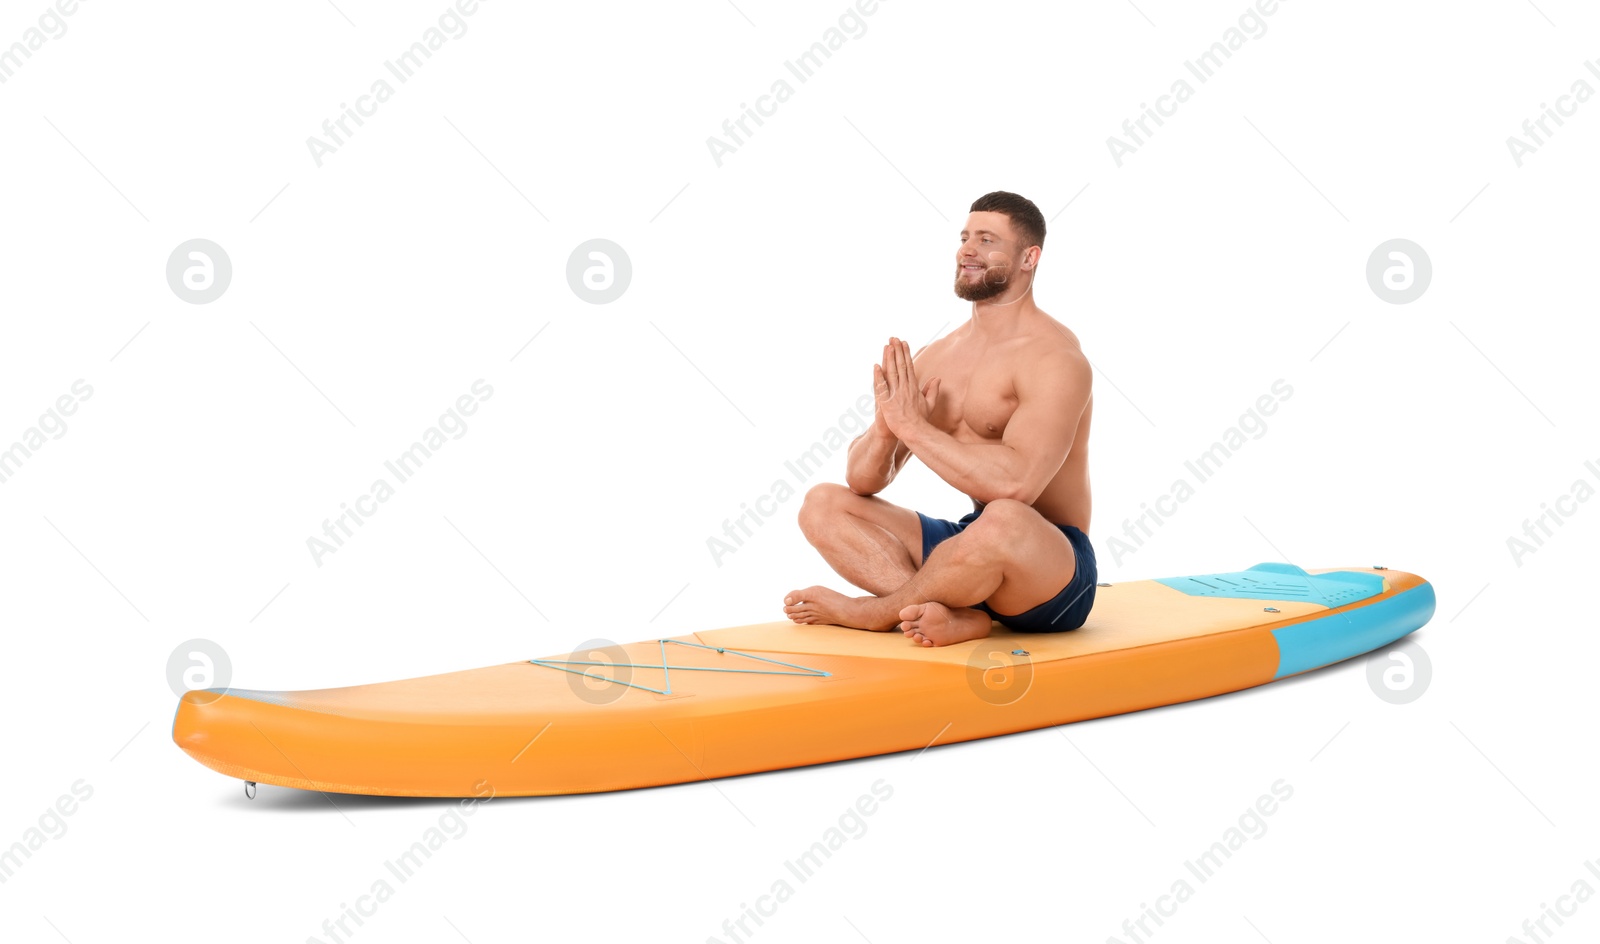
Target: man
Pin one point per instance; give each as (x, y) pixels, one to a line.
(1000, 409)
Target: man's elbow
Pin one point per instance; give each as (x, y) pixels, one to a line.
(863, 487)
(1016, 491)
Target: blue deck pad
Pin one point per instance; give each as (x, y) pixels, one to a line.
(1283, 583)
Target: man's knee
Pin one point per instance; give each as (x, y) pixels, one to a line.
(1004, 516)
(823, 506)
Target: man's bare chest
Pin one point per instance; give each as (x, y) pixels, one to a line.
(977, 395)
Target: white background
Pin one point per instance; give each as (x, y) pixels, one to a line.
(370, 292)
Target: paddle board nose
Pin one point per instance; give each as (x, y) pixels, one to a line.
(209, 722)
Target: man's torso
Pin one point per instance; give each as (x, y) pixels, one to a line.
(978, 395)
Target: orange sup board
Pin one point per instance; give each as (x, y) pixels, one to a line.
(774, 695)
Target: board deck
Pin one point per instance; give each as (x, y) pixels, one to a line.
(775, 695)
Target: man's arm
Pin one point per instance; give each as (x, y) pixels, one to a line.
(1051, 395)
(876, 456)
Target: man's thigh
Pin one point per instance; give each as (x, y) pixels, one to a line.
(901, 523)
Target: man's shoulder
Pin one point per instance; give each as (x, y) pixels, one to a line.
(1052, 345)
(1055, 336)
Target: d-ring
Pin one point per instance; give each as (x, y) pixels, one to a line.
(250, 789)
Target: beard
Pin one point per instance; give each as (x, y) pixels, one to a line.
(996, 279)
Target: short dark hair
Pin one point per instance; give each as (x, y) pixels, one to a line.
(1025, 217)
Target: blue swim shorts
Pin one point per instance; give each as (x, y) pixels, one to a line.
(1066, 610)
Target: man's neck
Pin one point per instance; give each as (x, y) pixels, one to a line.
(1001, 316)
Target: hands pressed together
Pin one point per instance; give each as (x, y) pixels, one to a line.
(902, 405)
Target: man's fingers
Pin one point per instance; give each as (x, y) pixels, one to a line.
(897, 370)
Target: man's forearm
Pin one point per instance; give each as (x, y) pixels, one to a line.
(985, 471)
(870, 465)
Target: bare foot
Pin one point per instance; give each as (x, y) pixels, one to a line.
(820, 605)
(934, 624)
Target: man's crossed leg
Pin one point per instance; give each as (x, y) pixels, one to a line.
(1020, 568)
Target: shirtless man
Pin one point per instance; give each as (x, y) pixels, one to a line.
(1003, 415)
